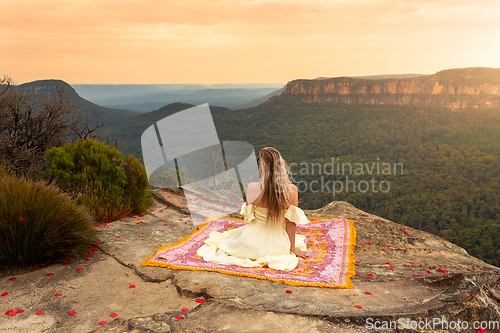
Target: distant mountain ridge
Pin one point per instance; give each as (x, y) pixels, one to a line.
(454, 89)
(149, 97)
(98, 113)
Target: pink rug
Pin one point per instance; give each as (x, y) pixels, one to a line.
(330, 241)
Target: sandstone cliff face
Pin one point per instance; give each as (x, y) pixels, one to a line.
(454, 89)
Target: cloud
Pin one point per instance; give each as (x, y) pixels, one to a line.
(59, 35)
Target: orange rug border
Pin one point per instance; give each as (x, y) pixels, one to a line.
(351, 261)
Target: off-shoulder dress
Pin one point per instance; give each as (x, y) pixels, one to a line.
(258, 243)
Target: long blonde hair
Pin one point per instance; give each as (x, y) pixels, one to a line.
(275, 182)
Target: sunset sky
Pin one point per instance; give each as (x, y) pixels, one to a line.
(229, 41)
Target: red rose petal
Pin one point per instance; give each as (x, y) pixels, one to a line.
(422, 274)
(43, 266)
(12, 278)
(197, 219)
(152, 210)
(390, 268)
(105, 224)
(368, 293)
(357, 261)
(132, 286)
(166, 207)
(50, 274)
(416, 274)
(418, 262)
(89, 255)
(406, 232)
(58, 294)
(395, 247)
(288, 291)
(165, 224)
(387, 246)
(5, 294)
(39, 313)
(80, 269)
(162, 190)
(411, 262)
(72, 313)
(21, 219)
(162, 220)
(367, 243)
(185, 222)
(179, 317)
(386, 263)
(20, 311)
(358, 306)
(168, 196)
(196, 198)
(362, 243)
(224, 206)
(369, 274)
(184, 309)
(357, 275)
(200, 300)
(114, 315)
(180, 219)
(86, 259)
(103, 322)
(117, 236)
(65, 262)
(428, 271)
(11, 313)
(33, 269)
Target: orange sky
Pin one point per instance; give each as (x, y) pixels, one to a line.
(229, 41)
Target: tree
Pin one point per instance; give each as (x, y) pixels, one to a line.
(32, 123)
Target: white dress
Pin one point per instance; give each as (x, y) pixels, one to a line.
(257, 243)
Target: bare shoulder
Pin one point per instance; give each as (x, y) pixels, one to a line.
(294, 195)
(253, 191)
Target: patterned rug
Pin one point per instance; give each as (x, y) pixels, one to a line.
(330, 242)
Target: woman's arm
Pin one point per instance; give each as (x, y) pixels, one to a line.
(292, 227)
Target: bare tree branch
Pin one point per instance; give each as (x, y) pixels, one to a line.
(30, 124)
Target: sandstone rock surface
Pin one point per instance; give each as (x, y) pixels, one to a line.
(466, 288)
(450, 284)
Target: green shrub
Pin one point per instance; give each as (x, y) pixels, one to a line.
(137, 186)
(100, 177)
(38, 224)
